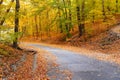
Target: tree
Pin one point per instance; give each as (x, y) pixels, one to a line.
(43, 17)
(70, 14)
(93, 15)
(103, 11)
(83, 17)
(66, 19)
(7, 11)
(80, 19)
(59, 15)
(37, 28)
(117, 6)
(17, 7)
(1, 2)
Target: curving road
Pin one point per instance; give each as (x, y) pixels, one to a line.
(83, 67)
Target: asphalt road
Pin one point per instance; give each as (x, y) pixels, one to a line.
(83, 67)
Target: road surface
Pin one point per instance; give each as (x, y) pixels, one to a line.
(83, 67)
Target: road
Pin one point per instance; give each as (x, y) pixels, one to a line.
(83, 67)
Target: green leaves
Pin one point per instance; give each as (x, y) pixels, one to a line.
(8, 36)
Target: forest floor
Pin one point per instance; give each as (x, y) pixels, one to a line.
(18, 64)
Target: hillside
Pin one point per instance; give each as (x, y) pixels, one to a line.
(16, 64)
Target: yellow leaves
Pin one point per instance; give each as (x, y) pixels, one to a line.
(97, 12)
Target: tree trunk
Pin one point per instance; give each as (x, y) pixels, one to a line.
(15, 42)
(36, 26)
(40, 25)
(70, 15)
(81, 18)
(1, 2)
(67, 18)
(78, 18)
(103, 11)
(117, 6)
(7, 11)
(48, 27)
(93, 15)
(59, 13)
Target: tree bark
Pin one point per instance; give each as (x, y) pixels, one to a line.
(70, 15)
(59, 14)
(81, 18)
(40, 25)
(93, 15)
(103, 11)
(1, 2)
(67, 18)
(7, 11)
(15, 42)
(117, 7)
(37, 28)
(78, 18)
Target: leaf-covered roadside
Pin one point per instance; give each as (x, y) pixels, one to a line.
(10, 56)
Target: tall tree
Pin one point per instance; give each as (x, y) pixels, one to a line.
(7, 11)
(36, 26)
(66, 18)
(17, 7)
(60, 15)
(80, 19)
(117, 6)
(83, 17)
(70, 15)
(93, 15)
(103, 11)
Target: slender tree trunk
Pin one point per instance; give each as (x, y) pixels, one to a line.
(108, 7)
(117, 7)
(15, 42)
(37, 32)
(67, 18)
(81, 18)
(60, 24)
(78, 18)
(7, 11)
(93, 17)
(40, 25)
(1, 2)
(103, 11)
(59, 13)
(48, 27)
(70, 15)
(33, 29)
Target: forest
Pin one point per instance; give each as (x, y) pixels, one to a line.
(90, 24)
(48, 19)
